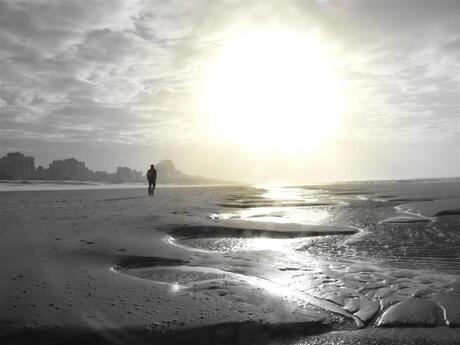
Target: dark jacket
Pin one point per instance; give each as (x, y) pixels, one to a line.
(152, 174)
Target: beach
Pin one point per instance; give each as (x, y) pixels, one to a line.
(351, 263)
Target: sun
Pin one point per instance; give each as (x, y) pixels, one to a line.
(273, 90)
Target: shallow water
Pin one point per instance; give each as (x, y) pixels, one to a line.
(401, 254)
(389, 234)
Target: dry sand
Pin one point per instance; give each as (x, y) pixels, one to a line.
(189, 266)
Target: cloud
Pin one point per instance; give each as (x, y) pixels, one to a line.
(129, 71)
(70, 63)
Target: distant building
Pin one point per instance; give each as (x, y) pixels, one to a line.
(73, 169)
(101, 176)
(137, 176)
(112, 177)
(3, 168)
(124, 174)
(41, 173)
(69, 169)
(16, 166)
(57, 170)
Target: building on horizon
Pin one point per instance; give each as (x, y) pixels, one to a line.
(124, 174)
(137, 176)
(17, 166)
(41, 173)
(69, 169)
(101, 176)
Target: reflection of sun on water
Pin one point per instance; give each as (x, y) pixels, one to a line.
(285, 215)
(263, 243)
(290, 194)
(281, 215)
(282, 193)
(175, 287)
(273, 90)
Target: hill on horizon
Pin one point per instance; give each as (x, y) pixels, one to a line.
(167, 173)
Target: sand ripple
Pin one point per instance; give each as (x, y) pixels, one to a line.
(367, 292)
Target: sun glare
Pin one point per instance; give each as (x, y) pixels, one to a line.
(273, 90)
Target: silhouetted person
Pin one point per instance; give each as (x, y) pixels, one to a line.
(152, 178)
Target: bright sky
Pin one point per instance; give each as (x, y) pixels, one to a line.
(259, 91)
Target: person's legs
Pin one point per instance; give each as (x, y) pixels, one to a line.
(150, 188)
(153, 187)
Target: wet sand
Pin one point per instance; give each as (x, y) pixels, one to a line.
(352, 263)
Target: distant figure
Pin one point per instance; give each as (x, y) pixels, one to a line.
(152, 178)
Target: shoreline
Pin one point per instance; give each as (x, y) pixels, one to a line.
(50, 185)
